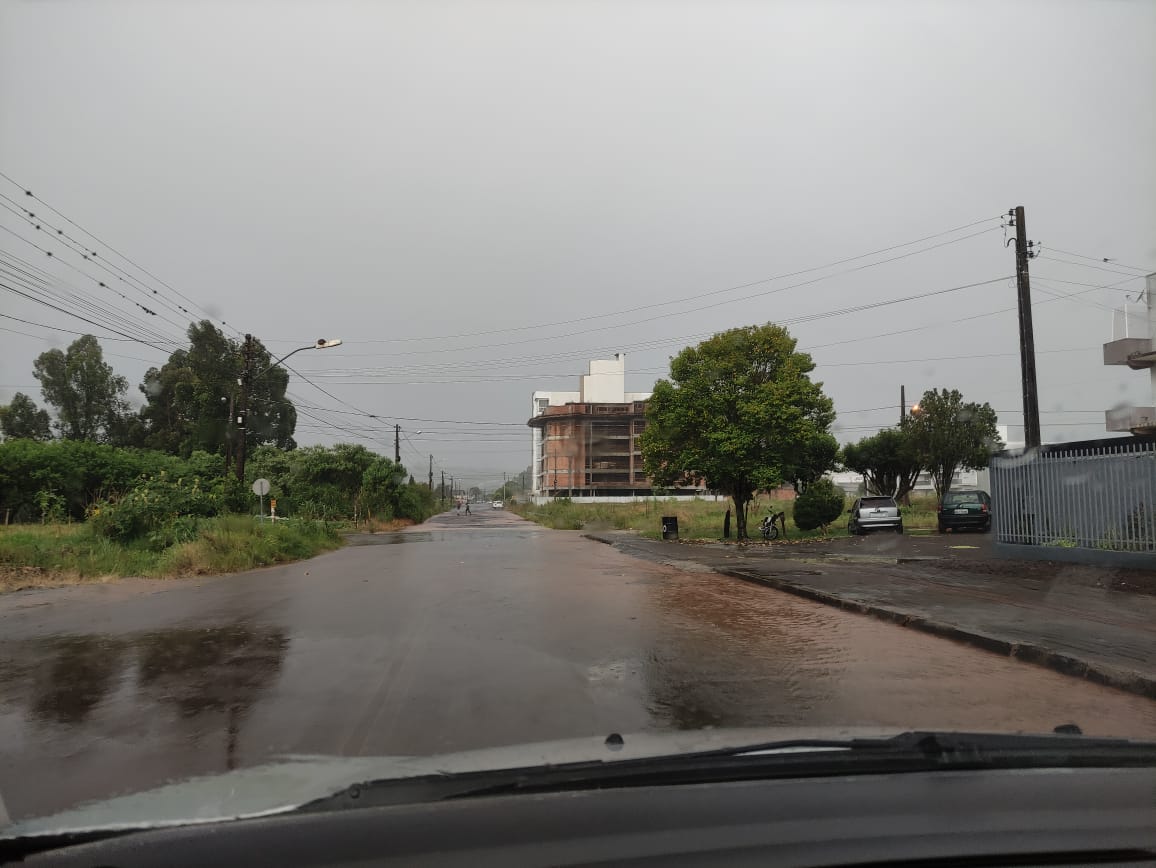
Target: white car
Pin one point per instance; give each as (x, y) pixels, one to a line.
(497, 504)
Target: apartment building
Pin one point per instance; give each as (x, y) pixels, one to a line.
(585, 443)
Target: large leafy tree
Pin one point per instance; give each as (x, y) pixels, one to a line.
(815, 458)
(22, 418)
(889, 461)
(737, 411)
(190, 397)
(85, 391)
(951, 434)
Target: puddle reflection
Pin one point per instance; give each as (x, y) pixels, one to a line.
(67, 679)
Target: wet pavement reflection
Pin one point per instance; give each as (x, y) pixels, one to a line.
(472, 631)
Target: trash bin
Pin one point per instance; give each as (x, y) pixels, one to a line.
(670, 527)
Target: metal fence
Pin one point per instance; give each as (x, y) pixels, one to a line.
(1099, 496)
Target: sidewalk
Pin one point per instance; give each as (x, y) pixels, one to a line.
(1059, 619)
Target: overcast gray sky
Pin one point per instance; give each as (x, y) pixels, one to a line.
(406, 176)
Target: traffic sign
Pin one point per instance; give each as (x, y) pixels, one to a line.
(261, 487)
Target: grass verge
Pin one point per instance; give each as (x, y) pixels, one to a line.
(697, 519)
(52, 555)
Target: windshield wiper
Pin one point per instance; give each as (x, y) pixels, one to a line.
(907, 752)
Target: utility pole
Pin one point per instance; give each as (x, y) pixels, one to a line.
(902, 404)
(431, 474)
(229, 435)
(397, 444)
(1024, 252)
(243, 409)
(443, 489)
(451, 488)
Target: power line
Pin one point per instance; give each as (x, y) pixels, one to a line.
(94, 257)
(1114, 286)
(51, 254)
(95, 313)
(1101, 259)
(27, 192)
(48, 281)
(715, 292)
(79, 317)
(667, 315)
(804, 318)
(65, 331)
(1083, 265)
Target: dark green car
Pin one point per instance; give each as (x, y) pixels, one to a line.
(969, 510)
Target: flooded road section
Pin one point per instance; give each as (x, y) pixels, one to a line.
(467, 632)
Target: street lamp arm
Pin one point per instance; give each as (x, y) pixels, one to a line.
(322, 344)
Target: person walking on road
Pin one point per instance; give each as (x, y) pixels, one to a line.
(467, 507)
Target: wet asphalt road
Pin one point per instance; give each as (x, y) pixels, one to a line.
(466, 632)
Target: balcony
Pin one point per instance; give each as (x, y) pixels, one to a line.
(1134, 420)
(1131, 342)
(1136, 353)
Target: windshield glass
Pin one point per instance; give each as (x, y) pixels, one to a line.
(962, 497)
(409, 379)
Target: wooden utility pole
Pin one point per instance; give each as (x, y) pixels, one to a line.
(243, 409)
(1024, 252)
(902, 404)
(443, 489)
(397, 444)
(229, 435)
(431, 474)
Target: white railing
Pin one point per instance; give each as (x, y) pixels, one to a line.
(1098, 496)
(1131, 321)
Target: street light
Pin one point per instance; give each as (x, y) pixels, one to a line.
(247, 378)
(322, 344)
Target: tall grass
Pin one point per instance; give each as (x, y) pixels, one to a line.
(41, 555)
(697, 519)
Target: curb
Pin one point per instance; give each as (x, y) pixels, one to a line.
(1065, 664)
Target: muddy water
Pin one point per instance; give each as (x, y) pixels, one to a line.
(468, 632)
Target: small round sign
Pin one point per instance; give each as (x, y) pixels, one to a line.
(261, 487)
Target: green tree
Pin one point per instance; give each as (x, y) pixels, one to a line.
(950, 434)
(889, 461)
(736, 412)
(815, 458)
(189, 397)
(819, 505)
(22, 418)
(87, 394)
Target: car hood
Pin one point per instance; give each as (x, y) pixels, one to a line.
(290, 782)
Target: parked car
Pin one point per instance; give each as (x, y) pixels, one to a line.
(965, 509)
(874, 513)
(497, 504)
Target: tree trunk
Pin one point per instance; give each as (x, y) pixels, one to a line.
(740, 518)
(942, 480)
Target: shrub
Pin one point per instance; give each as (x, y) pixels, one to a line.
(819, 505)
(158, 509)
